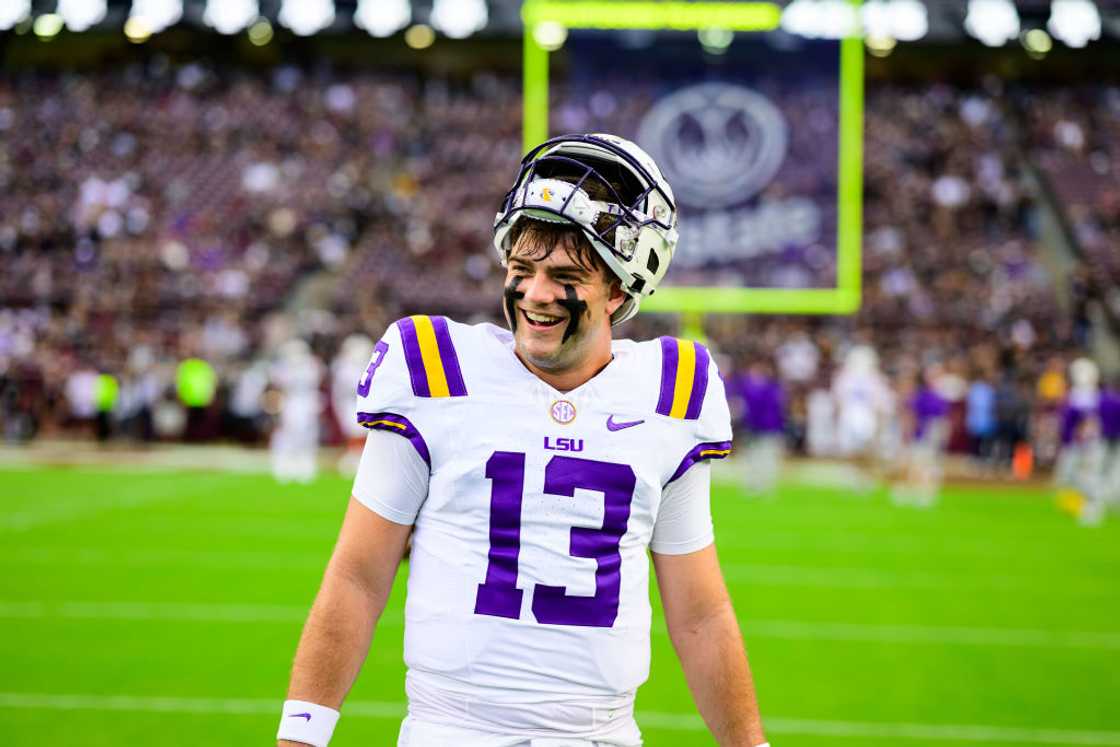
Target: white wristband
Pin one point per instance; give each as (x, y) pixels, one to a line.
(308, 723)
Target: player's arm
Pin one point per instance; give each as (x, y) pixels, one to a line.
(706, 636)
(390, 487)
(698, 610)
(339, 628)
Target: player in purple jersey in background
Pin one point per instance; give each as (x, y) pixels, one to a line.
(1108, 414)
(929, 411)
(763, 418)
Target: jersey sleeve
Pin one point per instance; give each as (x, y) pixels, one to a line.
(413, 363)
(392, 479)
(693, 392)
(684, 518)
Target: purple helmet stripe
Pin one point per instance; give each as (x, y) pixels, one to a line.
(455, 385)
(413, 358)
(669, 357)
(699, 383)
(709, 450)
(388, 421)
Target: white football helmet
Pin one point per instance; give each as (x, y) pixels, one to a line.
(1084, 373)
(644, 214)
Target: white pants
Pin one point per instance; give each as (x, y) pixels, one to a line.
(426, 734)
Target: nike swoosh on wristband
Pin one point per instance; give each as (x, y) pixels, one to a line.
(613, 426)
(300, 715)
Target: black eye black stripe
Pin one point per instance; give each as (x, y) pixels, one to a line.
(576, 308)
(511, 295)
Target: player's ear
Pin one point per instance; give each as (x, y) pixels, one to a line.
(615, 297)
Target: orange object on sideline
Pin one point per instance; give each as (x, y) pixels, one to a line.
(1022, 462)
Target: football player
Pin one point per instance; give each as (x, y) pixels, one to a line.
(352, 357)
(535, 466)
(294, 445)
(923, 471)
(764, 419)
(865, 417)
(1082, 461)
(1108, 412)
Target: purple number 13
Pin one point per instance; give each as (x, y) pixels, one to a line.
(499, 595)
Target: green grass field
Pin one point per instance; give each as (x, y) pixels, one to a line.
(163, 608)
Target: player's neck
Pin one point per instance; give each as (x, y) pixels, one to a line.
(568, 379)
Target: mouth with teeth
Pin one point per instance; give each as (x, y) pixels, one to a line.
(536, 320)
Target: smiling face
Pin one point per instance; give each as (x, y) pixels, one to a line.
(559, 300)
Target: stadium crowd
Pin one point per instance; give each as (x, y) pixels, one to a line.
(1075, 137)
(156, 214)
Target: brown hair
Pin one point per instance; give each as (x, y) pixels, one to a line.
(541, 238)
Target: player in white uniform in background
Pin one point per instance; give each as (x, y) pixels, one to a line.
(535, 468)
(864, 409)
(294, 446)
(346, 368)
(1080, 472)
(820, 428)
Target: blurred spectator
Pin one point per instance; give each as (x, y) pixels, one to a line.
(196, 383)
(1013, 408)
(980, 416)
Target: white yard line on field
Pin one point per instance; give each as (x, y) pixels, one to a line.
(131, 557)
(941, 732)
(968, 636)
(238, 613)
(753, 628)
(648, 719)
(22, 521)
(839, 577)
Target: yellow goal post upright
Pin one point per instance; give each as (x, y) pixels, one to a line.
(694, 301)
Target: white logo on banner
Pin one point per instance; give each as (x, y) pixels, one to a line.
(717, 144)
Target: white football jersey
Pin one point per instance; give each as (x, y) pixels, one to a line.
(529, 571)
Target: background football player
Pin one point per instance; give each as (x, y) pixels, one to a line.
(764, 420)
(928, 437)
(865, 408)
(293, 447)
(1082, 461)
(1108, 411)
(346, 368)
(535, 468)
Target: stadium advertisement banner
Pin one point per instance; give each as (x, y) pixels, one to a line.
(749, 139)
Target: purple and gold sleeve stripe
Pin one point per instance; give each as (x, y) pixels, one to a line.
(711, 450)
(684, 378)
(388, 421)
(433, 365)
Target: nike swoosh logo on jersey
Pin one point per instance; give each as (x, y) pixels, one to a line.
(300, 715)
(613, 426)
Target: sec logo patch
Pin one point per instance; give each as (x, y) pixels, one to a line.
(562, 411)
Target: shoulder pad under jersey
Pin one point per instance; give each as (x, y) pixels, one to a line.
(413, 362)
(692, 391)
